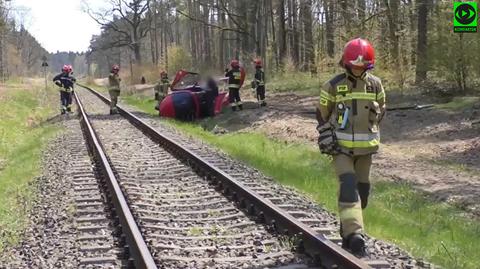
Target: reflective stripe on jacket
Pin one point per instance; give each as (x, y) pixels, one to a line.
(354, 107)
(234, 78)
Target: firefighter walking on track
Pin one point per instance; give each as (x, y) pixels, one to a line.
(65, 81)
(234, 76)
(114, 88)
(351, 107)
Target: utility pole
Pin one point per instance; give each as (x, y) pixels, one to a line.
(44, 66)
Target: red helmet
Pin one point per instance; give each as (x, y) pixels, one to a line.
(358, 54)
(115, 68)
(258, 63)
(234, 63)
(67, 68)
(70, 68)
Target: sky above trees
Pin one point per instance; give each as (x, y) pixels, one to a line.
(59, 25)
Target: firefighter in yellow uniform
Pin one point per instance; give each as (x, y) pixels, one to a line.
(351, 107)
(161, 89)
(114, 88)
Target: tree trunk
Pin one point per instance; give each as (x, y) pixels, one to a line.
(221, 38)
(274, 39)
(361, 16)
(295, 35)
(155, 30)
(392, 14)
(344, 11)
(413, 24)
(137, 52)
(193, 32)
(2, 41)
(422, 61)
(307, 21)
(281, 35)
(329, 27)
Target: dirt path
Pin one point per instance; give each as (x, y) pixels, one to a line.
(438, 151)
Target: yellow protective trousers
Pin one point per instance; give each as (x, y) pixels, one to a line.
(113, 98)
(353, 173)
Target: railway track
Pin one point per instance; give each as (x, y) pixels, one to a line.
(98, 236)
(178, 209)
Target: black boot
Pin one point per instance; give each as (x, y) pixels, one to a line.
(356, 243)
(240, 107)
(264, 103)
(363, 192)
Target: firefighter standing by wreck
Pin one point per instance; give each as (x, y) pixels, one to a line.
(351, 107)
(114, 88)
(65, 81)
(161, 89)
(259, 83)
(234, 76)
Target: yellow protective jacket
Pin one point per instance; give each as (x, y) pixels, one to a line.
(162, 86)
(354, 107)
(114, 82)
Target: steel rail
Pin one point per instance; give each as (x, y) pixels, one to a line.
(138, 250)
(325, 252)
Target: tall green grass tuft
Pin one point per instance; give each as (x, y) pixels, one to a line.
(22, 137)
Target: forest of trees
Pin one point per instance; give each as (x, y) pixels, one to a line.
(413, 38)
(20, 53)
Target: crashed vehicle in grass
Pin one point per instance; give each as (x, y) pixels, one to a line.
(192, 98)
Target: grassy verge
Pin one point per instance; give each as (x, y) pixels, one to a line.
(143, 103)
(435, 231)
(460, 103)
(300, 82)
(22, 138)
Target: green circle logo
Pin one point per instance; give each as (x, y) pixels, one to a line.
(465, 17)
(465, 14)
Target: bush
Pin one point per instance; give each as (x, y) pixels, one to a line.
(178, 58)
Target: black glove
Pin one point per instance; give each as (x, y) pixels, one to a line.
(327, 141)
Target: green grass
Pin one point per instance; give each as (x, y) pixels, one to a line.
(22, 138)
(460, 103)
(142, 102)
(298, 82)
